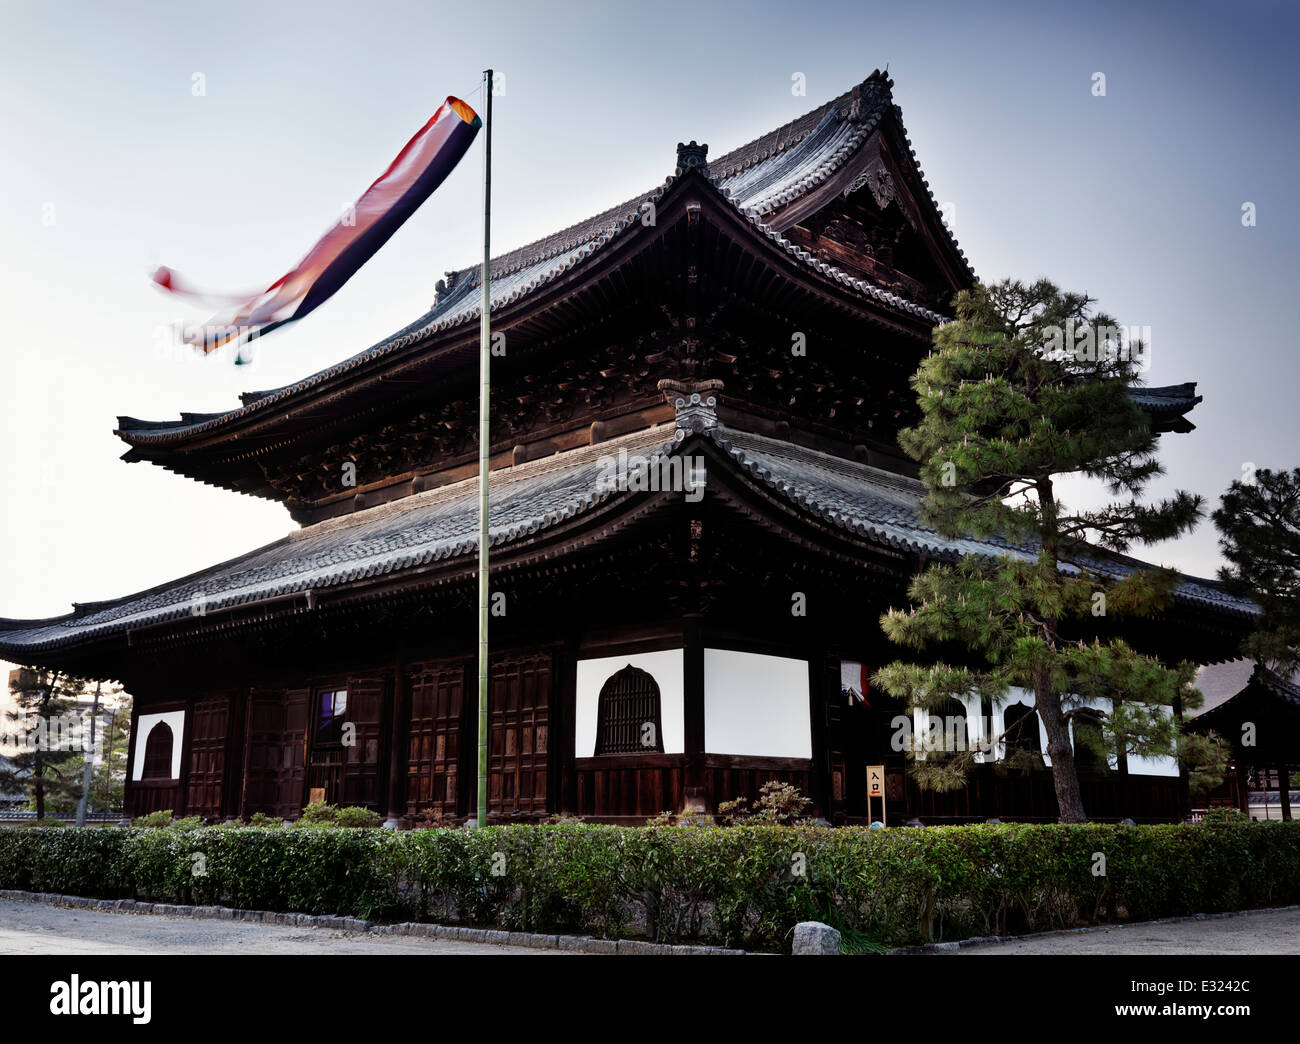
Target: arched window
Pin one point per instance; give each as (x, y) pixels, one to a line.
(628, 719)
(1020, 730)
(158, 753)
(1088, 756)
(953, 730)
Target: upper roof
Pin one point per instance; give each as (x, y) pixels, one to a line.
(760, 180)
(1168, 405)
(875, 506)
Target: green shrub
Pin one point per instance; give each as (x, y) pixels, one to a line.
(153, 820)
(316, 813)
(745, 885)
(357, 816)
(320, 814)
(777, 803)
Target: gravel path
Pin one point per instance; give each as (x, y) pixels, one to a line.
(35, 928)
(1258, 932)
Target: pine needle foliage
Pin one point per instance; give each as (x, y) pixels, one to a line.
(1026, 385)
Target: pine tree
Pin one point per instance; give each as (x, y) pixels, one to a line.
(1259, 534)
(1028, 384)
(45, 721)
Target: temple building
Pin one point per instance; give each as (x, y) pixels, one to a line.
(1258, 712)
(699, 512)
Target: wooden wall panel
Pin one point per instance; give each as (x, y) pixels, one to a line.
(349, 773)
(519, 705)
(275, 759)
(629, 786)
(294, 752)
(145, 796)
(208, 744)
(433, 760)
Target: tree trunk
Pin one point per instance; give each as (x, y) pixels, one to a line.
(88, 770)
(1069, 801)
(38, 770)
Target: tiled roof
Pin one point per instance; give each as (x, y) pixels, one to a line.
(1167, 405)
(403, 534)
(1261, 693)
(1170, 398)
(884, 507)
(755, 178)
(878, 506)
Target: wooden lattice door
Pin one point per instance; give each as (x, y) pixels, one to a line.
(277, 747)
(208, 757)
(519, 705)
(433, 761)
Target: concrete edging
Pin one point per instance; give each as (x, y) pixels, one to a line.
(980, 940)
(454, 933)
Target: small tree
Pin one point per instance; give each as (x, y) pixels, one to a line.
(49, 757)
(1259, 533)
(1028, 384)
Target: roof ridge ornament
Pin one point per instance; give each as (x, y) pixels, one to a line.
(692, 157)
(696, 403)
(858, 111)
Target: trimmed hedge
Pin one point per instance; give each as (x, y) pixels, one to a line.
(743, 885)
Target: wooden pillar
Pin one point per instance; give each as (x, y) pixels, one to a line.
(1125, 807)
(467, 763)
(232, 779)
(819, 782)
(1184, 775)
(187, 738)
(1284, 789)
(128, 786)
(693, 708)
(562, 779)
(399, 734)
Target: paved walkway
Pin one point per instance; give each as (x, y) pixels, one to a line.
(1260, 932)
(35, 928)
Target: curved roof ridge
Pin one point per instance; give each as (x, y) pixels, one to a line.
(934, 202)
(728, 165)
(761, 456)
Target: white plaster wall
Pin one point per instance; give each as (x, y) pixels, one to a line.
(974, 727)
(756, 705)
(1024, 698)
(1104, 706)
(668, 670)
(1162, 766)
(144, 725)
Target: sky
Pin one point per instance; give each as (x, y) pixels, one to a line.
(222, 139)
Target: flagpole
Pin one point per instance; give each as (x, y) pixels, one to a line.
(484, 406)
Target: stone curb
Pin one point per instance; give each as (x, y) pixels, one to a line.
(981, 940)
(450, 932)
